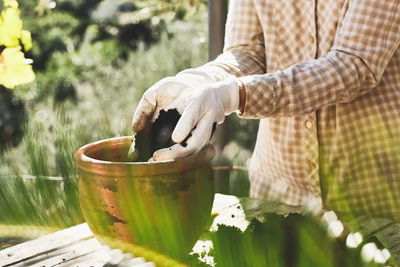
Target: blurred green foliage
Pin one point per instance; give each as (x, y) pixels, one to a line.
(115, 28)
(296, 240)
(90, 78)
(12, 118)
(93, 60)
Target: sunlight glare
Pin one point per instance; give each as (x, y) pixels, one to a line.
(335, 228)
(353, 240)
(329, 217)
(381, 256)
(368, 252)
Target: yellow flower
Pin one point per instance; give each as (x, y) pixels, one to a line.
(11, 3)
(13, 69)
(26, 39)
(10, 27)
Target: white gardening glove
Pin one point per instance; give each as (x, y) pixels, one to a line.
(168, 93)
(206, 106)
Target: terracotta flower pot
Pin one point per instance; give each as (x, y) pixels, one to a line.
(163, 206)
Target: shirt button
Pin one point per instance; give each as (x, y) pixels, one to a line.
(312, 39)
(309, 124)
(312, 165)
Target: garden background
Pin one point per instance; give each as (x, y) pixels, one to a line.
(93, 60)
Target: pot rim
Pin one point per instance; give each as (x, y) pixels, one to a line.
(110, 168)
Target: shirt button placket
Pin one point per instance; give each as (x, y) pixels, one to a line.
(308, 124)
(312, 166)
(313, 30)
(312, 39)
(311, 146)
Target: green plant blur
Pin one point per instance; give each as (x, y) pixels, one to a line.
(91, 72)
(93, 60)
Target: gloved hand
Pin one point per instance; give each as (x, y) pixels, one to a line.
(168, 93)
(206, 106)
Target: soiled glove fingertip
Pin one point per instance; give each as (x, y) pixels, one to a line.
(169, 153)
(160, 155)
(137, 125)
(140, 119)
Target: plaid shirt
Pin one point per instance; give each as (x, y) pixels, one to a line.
(323, 77)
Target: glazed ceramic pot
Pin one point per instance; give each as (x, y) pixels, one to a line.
(163, 206)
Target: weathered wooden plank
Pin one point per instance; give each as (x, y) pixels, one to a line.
(390, 239)
(132, 262)
(117, 256)
(66, 254)
(77, 247)
(44, 244)
(97, 258)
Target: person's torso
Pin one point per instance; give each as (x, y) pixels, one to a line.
(350, 150)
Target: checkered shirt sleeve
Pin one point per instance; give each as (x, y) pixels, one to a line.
(363, 47)
(244, 48)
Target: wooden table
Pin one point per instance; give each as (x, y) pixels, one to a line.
(76, 246)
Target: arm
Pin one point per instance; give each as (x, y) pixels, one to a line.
(244, 50)
(363, 47)
(197, 94)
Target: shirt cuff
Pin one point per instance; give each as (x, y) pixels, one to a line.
(242, 96)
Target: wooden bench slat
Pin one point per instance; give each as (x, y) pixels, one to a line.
(97, 258)
(65, 254)
(132, 262)
(390, 238)
(117, 257)
(44, 244)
